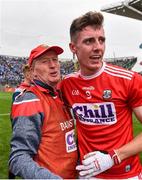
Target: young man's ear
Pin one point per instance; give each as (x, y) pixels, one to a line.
(72, 47)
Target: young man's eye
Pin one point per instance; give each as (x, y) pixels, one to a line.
(102, 39)
(89, 41)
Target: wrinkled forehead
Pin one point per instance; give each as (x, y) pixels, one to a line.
(46, 56)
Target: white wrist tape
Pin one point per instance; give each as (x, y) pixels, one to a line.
(115, 157)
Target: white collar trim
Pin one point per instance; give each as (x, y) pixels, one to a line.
(95, 74)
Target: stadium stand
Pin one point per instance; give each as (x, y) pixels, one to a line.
(67, 67)
(125, 62)
(127, 8)
(11, 67)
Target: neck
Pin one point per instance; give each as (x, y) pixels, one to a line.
(44, 85)
(90, 73)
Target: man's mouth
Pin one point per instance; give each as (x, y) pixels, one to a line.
(54, 74)
(95, 57)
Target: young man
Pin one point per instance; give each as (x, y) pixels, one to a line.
(43, 141)
(103, 98)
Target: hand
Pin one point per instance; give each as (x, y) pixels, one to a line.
(96, 162)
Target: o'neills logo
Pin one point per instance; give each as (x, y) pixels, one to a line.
(90, 88)
(95, 113)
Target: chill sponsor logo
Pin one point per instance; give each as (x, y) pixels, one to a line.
(75, 92)
(96, 113)
(70, 141)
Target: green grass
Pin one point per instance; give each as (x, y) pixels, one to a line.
(5, 132)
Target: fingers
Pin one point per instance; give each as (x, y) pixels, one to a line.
(89, 154)
(94, 163)
(85, 170)
(84, 167)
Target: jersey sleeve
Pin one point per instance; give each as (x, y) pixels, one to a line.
(27, 117)
(135, 91)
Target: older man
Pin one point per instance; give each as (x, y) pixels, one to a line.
(43, 141)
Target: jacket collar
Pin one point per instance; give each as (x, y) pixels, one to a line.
(44, 87)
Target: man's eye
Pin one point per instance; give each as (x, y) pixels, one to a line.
(45, 61)
(55, 59)
(102, 40)
(89, 41)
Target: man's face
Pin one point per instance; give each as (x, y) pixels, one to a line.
(46, 68)
(89, 48)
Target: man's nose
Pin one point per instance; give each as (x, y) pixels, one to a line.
(97, 45)
(52, 63)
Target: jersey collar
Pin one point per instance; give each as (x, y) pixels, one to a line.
(94, 75)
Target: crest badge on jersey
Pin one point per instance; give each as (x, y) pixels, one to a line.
(107, 94)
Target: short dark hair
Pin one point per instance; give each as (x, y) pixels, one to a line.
(94, 19)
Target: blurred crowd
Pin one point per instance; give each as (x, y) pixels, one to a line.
(11, 67)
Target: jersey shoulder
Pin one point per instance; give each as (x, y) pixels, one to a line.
(72, 75)
(118, 71)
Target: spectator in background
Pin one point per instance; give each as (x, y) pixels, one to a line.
(43, 140)
(25, 83)
(103, 97)
(10, 69)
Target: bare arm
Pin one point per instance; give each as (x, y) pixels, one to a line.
(135, 146)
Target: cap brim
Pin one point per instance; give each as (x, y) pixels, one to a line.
(57, 49)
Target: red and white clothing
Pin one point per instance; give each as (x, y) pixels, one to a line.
(23, 86)
(43, 140)
(103, 104)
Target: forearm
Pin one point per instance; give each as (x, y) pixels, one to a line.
(25, 167)
(24, 145)
(132, 148)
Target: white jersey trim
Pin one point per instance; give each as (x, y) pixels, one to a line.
(94, 75)
(119, 70)
(114, 71)
(26, 101)
(75, 74)
(113, 74)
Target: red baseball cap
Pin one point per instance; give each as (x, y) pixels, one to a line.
(41, 49)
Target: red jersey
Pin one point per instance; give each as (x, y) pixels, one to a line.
(104, 103)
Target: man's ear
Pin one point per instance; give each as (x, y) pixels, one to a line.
(72, 47)
(33, 73)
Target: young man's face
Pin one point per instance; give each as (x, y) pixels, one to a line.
(46, 68)
(89, 49)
